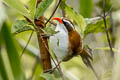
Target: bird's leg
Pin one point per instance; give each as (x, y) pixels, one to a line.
(88, 49)
(52, 70)
(44, 35)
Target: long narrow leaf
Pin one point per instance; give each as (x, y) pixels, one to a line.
(18, 5)
(12, 53)
(6, 64)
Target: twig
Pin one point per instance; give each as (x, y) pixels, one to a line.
(27, 43)
(60, 70)
(109, 11)
(51, 22)
(45, 55)
(54, 11)
(106, 29)
(63, 11)
(98, 78)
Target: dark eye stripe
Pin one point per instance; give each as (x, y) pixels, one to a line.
(67, 23)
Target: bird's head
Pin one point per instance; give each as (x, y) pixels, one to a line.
(67, 23)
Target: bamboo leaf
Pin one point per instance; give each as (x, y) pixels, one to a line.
(18, 5)
(42, 7)
(7, 71)
(12, 53)
(3, 74)
(2, 14)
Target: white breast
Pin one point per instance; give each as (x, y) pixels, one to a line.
(59, 42)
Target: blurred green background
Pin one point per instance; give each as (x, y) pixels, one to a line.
(28, 67)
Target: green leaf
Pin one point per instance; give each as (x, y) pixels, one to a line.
(2, 14)
(107, 6)
(38, 71)
(5, 65)
(12, 54)
(92, 20)
(32, 8)
(50, 31)
(42, 7)
(79, 20)
(86, 8)
(96, 26)
(2, 69)
(21, 26)
(18, 5)
(48, 76)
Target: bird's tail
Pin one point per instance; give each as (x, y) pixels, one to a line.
(87, 58)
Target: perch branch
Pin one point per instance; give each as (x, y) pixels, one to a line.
(44, 54)
(63, 11)
(57, 66)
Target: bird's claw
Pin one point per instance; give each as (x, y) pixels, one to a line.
(44, 35)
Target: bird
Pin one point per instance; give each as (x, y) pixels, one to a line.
(67, 43)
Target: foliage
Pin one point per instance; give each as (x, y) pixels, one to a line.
(108, 4)
(10, 62)
(49, 31)
(10, 59)
(21, 26)
(18, 5)
(32, 8)
(79, 20)
(86, 8)
(42, 7)
(96, 26)
(48, 76)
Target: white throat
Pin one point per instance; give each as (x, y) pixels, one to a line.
(59, 42)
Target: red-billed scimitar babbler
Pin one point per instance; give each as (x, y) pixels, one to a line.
(67, 43)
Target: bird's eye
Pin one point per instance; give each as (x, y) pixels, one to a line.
(68, 24)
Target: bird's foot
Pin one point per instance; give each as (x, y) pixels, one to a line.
(44, 35)
(50, 70)
(53, 69)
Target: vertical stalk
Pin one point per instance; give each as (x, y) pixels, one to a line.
(44, 53)
(106, 29)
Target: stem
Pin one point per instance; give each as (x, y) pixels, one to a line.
(63, 11)
(51, 22)
(106, 29)
(27, 43)
(54, 11)
(57, 66)
(60, 70)
(43, 44)
(44, 53)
